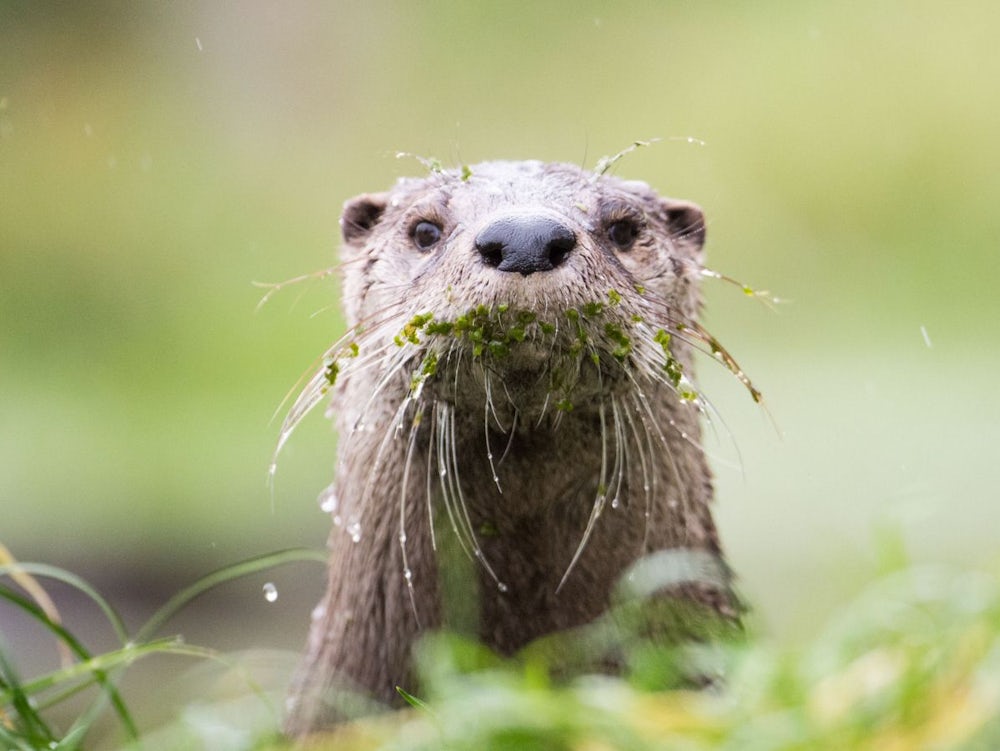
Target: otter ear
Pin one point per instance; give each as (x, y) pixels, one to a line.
(686, 222)
(360, 216)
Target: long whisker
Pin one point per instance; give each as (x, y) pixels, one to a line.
(487, 405)
(464, 510)
(647, 487)
(442, 412)
(599, 501)
(390, 434)
(621, 454)
(645, 412)
(407, 571)
(431, 442)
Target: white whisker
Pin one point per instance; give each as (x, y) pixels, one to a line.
(599, 501)
(486, 434)
(407, 571)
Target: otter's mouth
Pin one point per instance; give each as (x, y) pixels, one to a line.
(518, 361)
(538, 361)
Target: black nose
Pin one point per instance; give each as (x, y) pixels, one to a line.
(525, 244)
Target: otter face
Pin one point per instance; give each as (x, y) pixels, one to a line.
(560, 282)
(523, 289)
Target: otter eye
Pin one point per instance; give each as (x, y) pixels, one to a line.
(426, 234)
(622, 233)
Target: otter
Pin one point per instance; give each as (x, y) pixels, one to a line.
(516, 384)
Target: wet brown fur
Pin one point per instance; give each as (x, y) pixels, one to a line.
(621, 451)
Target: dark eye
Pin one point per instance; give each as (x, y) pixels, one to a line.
(622, 233)
(426, 235)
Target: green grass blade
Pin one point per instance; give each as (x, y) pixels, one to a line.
(79, 650)
(412, 700)
(223, 575)
(108, 661)
(17, 743)
(174, 646)
(32, 725)
(67, 577)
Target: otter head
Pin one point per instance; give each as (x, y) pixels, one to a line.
(555, 283)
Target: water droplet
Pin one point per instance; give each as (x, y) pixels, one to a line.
(270, 592)
(672, 503)
(338, 520)
(615, 503)
(318, 612)
(402, 538)
(502, 587)
(408, 575)
(354, 530)
(443, 472)
(328, 500)
(272, 470)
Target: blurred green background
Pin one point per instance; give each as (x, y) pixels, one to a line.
(157, 158)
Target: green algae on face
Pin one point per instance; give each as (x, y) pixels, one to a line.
(428, 368)
(331, 369)
(490, 331)
(564, 405)
(331, 363)
(495, 332)
(623, 344)
(412, 328)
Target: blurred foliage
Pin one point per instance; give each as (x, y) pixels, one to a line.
(913, 663)
(27, 706)
(156, 159)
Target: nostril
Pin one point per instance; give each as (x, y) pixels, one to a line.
(560, 247)
(492, 252)
(525, 244)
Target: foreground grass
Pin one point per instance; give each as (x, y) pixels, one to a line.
(26, 704)
(914, 663)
